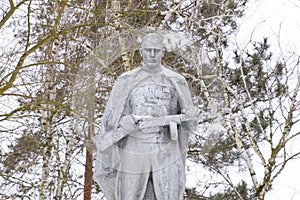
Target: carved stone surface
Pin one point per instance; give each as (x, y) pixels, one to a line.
(148, 163)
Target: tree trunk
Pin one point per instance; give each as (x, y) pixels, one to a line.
(88, 175)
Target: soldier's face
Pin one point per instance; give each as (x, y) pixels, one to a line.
(152, 54)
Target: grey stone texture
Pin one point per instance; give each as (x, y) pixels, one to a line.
(135, 163)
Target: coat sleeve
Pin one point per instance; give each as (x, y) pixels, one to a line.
(107, 161)
(185, 100)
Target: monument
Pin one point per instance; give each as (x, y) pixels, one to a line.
(141, 149)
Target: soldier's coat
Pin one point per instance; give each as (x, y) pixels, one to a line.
(107, 162)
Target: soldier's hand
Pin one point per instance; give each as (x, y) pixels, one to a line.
(191, 111)
(128, 124)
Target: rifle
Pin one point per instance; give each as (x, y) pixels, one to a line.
(148, 121)
(145, 124)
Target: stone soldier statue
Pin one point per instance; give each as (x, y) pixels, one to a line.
(141, 150)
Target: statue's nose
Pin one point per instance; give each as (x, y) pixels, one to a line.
(152, 54)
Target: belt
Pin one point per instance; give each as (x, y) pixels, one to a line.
(153, 137)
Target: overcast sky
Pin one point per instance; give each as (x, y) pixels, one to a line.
(279, 20)
(272, 18)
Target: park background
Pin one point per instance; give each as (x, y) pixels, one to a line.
(59, 59)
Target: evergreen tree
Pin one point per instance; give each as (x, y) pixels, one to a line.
(62, 58)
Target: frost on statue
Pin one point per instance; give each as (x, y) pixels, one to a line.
(141, 149)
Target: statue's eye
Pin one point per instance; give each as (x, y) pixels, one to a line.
(150, 50)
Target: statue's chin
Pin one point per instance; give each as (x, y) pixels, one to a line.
(152, 66)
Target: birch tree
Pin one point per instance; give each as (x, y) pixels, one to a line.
(258, 109)
(40, 152)
(251, 98)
